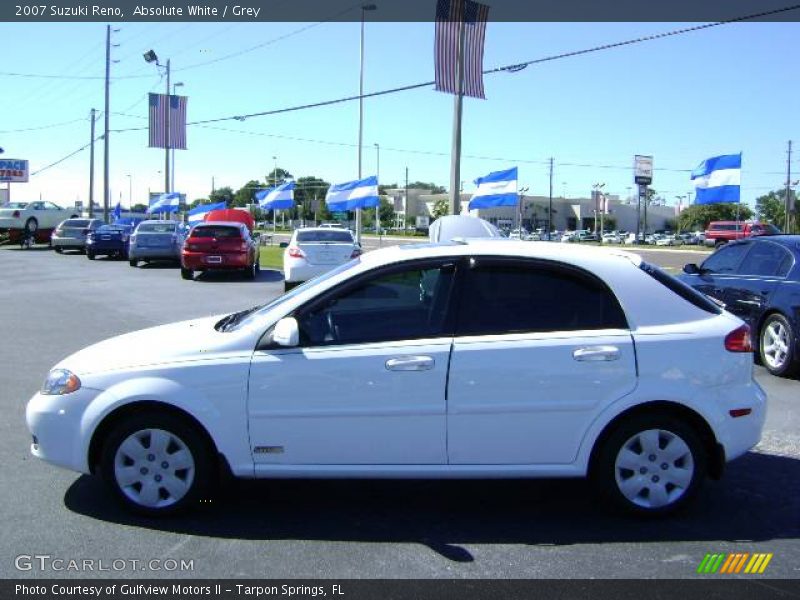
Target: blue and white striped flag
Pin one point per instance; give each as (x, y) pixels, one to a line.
(277, 198)
(117, 212)
(718, 179)
(496, 189)
(166, 203)
(362, 193)
(198, 213)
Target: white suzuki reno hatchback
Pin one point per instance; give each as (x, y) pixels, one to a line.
(484, 359)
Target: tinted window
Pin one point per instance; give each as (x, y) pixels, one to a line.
(765, 228)
(216, 232)
(766, 259)
(399, 305)
(726, 259)
(724, 227)
(76, 223)
(680, 288)
(504, 298)
(331, 235)
(109, 229)
(157, 227)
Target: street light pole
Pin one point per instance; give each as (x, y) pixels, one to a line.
(364, 9)
(172, 185)
(378, 207)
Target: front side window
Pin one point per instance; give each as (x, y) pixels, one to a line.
(404, 304)
(726, 259)
(503, 298)
(766, 259)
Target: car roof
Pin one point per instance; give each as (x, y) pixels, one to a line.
(790, 240)
(218, 223)
(326, 229)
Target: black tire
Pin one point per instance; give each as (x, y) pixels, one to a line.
(790, 365)
(133, 262)
(252, 272)
(31, 225)
(288, 285)
(59, 250)
(187, 274)
(182, 435)
(719, 243)
(90, 255)
(606, 477)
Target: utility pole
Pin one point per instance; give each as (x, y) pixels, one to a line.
(91, 166)
(105, 134)
(787, 201)
(167, 136)
(405, 206)
(550, 204)
(455, 152)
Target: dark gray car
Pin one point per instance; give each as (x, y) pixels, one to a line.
(156, 240)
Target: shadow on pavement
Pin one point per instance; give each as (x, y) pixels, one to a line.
(758, 499)
(268, 275)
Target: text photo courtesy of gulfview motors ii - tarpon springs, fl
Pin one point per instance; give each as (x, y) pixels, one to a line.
(425, 298)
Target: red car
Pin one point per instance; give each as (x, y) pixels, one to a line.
(224, 245)
(722, 232)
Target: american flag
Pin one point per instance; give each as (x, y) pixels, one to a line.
(449, 15)
(158, 121)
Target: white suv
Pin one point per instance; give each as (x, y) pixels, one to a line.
(482, 359)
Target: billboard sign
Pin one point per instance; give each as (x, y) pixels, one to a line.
(13, 170)
(643, 169)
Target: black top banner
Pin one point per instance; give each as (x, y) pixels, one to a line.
(117, 11)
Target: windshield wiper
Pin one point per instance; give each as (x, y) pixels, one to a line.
(233, 319)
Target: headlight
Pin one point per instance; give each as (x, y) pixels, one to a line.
(59, 382)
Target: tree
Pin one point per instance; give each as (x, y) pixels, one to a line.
(310, 191)
(277, 176)
(198, 202)
(245, 194)
(441, 208)
(698, 216)
(223, 194)
(432, 187)
(384, 189)
(771, 208)
(139, 208)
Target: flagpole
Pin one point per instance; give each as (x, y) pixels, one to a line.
(167, 136)
(455, 152)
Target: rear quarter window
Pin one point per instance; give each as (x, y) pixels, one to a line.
(679, 288)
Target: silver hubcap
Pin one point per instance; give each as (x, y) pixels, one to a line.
(775, 344)
(654, 468)
(154, 468)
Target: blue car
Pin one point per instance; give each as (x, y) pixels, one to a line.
(758, 280)
(109, 240)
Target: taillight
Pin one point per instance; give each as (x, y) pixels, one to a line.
(15, 214)
(356, 253)
(739, 340)
(296, 252)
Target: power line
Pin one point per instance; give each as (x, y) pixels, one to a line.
(70, 155)
(61, 124)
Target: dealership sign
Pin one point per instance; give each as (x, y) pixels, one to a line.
(14, 170)
(643, 169)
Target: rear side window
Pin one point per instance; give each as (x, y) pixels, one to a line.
(331, 235)
(680, 288)
(508, 297)
(217, 231)
(766, 259)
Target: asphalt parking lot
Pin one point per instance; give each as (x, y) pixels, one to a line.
(54, 305)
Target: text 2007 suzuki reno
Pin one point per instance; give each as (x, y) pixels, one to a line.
(480, 359)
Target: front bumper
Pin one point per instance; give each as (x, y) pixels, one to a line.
(56, 424)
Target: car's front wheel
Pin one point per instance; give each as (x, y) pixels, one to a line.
(776, 346)
(59, 250)
(133, 262)
(187, 273)
(90, 255)
(650, 465)
(157, 464)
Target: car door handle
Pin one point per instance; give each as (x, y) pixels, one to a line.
(410, 363)
(596, 353)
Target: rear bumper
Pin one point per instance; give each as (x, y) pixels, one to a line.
(165, 252)
(202, 261)
(297, 272)
(737, 435)
(67, 242)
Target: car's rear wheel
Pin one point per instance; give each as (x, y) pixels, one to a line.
(59, 250)
(252, 271)
(157, 464)
(719, 243)
(650, 465)
(288, 285)
(31, 225)
(90, 255)
(776, 346)
(133, 262)
(187, 273)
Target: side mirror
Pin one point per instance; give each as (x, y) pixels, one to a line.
(286, 332)
(691, 269)
(283, 245)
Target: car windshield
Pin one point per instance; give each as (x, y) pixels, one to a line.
(109, 229)
(329, 235)
(216, 231)
(234, 321)
(156, 228)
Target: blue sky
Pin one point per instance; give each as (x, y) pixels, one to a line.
(681, 99)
